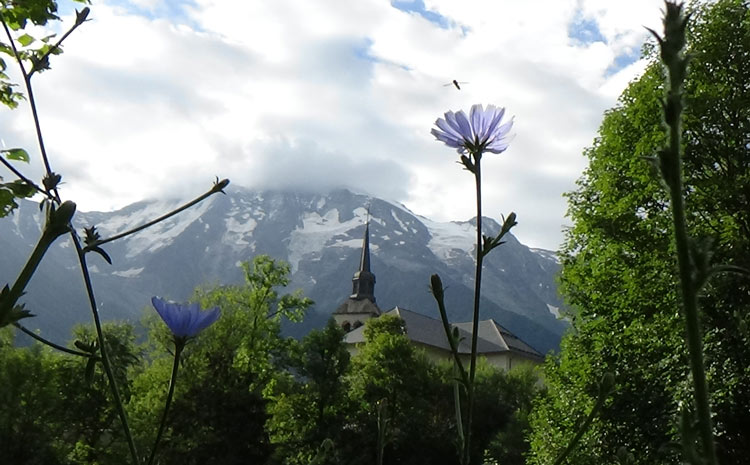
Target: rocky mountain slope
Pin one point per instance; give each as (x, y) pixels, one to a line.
(319, 235)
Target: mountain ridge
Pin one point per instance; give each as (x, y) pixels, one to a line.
(320, 235)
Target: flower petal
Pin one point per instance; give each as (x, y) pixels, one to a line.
(445, 138)
(465, 126)
(184, 320)
(477, 120)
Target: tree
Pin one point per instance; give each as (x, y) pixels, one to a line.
(310, 408)
(27, 401)
(56, 408)
(419, 416)
(219, 409)
(619, 273)
(505, 400)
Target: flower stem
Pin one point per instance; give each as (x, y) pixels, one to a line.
(57, 224)
(32, 103)
(39, 338)
(24, 178)
(103, 349)
(466, 459)
(671, 166)
(217, 187)
(170, 393)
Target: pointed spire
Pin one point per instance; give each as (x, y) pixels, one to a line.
(363, 282)
(364, 261)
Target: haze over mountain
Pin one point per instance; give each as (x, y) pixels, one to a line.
(319, 235)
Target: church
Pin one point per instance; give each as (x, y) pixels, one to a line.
(499, 346)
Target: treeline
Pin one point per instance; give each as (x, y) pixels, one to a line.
(246, 395)
(619, 270)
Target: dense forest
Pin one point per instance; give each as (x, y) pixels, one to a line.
(620, 390)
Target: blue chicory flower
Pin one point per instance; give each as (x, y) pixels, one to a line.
(185, 320)
(480, 132)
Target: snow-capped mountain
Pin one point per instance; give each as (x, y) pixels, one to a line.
(319, 235)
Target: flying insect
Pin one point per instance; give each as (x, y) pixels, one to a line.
(455, 83)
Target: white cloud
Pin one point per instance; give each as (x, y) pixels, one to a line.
(332, 93)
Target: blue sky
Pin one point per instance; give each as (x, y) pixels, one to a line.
(160, 96)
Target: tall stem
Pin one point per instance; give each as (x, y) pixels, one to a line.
(672, 46)
(690, 299)
(32, 104)
(103, 349)
(475, 318)
(172, 380)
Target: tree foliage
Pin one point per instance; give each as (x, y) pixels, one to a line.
(219, 410)
(620, 275)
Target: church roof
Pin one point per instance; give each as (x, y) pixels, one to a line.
(358, 306)
(492, 337)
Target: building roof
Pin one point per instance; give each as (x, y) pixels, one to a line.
(357, 306)
(422, 329)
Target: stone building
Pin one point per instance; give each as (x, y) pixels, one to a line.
(495, 343)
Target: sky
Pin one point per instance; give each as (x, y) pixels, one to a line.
(155, 98)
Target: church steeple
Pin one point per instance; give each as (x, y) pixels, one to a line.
(363, 282)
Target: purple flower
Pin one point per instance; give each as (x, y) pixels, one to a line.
(185, 320)
(480, 132)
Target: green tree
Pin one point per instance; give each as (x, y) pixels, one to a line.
(619, 271)
(420, 419)
(310, 409)
(219, 409)
(27, 402)
(55, 410)
(505, 400)
(89, 430)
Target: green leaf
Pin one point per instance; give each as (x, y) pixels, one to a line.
(26, 40)
(12, 315)
(7, 201)
(16, 154)
(21, 189)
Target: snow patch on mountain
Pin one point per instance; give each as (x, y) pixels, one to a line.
(316, 232)
(237, 232)
(450, 240)
(547, 254)
(157, 236)
(131, 273)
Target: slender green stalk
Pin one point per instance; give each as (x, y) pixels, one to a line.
(170, 393)
(457, 403)
(32, 102)
(475, 319)
(39, 338)
(103, 349)
(23, 178)
(690, 307)
(672, 45)
(27, 272)
(217, 187)
(57, 224)
(80, 18)
(436, 285)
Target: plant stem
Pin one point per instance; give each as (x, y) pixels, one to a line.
(217, 187)
(50, 343)
(57, 224)
(103, 349)
(173, 379)
(23, 178)
(671, 160)
(27, 272)
(690, 300)
(32, 103)
(475, 319)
